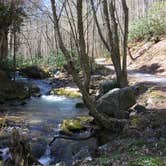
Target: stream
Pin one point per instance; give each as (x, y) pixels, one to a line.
(40, 117)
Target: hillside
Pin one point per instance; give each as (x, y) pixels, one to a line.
(149, 57)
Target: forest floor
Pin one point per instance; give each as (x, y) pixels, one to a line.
(143, 141)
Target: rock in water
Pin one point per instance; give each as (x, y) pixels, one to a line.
(34, 72)
(80, 105)
(10, 90)
(116, 102)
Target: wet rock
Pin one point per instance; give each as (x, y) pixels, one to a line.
(13, 91)
(35, 90)
(38, 148)
(23, 103)
(74, 150)
(115, 102)
(83, 154)
(34, 72)
(80, 105)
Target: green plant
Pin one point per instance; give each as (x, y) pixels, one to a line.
(60, 60)
(146, 161)
(151, 25)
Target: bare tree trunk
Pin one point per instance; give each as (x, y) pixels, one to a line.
(3, 45)
(83, 55)
(113, 45)
(114, 41)
(125, 39)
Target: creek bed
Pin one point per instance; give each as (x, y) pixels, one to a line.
(40, 117)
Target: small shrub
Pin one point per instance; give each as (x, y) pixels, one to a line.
(57, 60)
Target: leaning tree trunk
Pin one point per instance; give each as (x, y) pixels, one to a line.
(3, 45)
(102, 119)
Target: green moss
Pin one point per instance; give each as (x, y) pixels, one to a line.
(70, 125)
(66, 92)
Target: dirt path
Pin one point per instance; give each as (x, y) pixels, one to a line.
(138, 76)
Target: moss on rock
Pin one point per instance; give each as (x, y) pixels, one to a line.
(66, 92)
(73, 125)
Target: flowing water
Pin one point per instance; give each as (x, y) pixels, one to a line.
(41, 117)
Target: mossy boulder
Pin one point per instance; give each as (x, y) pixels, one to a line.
(69, 92)
(34, 72)
(116, 102)
(75, 125)
(10, 90)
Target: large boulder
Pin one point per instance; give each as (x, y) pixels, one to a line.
(10, 90)
(34, 72)
(116, 102)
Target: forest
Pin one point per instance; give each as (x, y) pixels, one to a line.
(82, 82)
